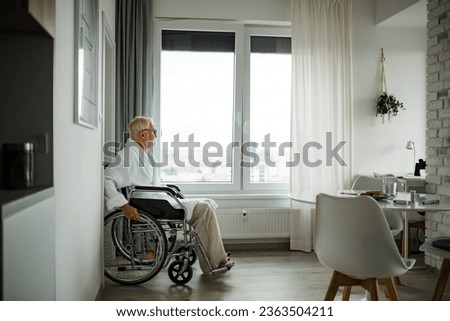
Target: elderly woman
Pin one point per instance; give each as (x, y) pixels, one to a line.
(133, 166)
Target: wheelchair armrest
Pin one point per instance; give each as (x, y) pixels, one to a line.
(166, 189)
(175, 187)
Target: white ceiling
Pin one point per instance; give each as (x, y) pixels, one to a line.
(414, 16)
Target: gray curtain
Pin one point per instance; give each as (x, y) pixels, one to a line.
(133, 62)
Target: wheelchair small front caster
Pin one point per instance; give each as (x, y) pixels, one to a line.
(192, 255)
(180, 272)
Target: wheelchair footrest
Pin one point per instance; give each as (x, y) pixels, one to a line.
(219, 271)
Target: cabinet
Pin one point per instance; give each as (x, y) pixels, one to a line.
(26, 79)
(27, 240)
(28, 15)
(27, 217)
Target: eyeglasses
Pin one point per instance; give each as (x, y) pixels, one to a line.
(150, 130)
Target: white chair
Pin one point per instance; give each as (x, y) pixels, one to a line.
(352, 238)
(394, 218)
(439, 246)
(415, 219)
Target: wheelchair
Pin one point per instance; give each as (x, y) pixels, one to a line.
(136, 251)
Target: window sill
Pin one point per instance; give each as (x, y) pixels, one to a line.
(247, 200)
(236, 196)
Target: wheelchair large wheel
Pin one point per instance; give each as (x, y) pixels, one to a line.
(134, 252)
(171, 235)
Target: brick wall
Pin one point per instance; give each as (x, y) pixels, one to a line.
(438, 117)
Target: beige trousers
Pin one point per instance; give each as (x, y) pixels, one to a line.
(205, 225)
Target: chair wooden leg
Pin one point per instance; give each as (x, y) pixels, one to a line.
(404, 243)
(332, 287)
(346, 293)
(371, 285)
(339, 279)
(442, 280)
(390, 290)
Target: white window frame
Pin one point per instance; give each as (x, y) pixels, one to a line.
(240, 176)
(268, 32)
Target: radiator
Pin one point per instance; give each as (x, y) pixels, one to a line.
(254, 223)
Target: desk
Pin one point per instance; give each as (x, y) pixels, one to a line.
(417, 183)
(308, 197)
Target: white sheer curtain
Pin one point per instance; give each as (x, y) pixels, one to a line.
(321, 102)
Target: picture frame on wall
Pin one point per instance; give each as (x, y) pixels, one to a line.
(86, 63)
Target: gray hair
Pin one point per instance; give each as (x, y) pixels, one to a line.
(138, 124)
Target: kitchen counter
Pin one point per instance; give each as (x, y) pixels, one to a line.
(14, 200)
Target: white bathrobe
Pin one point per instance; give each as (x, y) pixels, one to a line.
(134, 167)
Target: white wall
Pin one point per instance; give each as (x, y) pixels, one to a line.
(380, 147)
(273, 11)
(77, 173)
(387, 8)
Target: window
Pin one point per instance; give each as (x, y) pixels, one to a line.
(197, 88)
(270, 104)
(223, 107)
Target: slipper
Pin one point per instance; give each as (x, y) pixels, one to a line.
(229, 265)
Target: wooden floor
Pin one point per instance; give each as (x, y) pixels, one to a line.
(275, 275)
